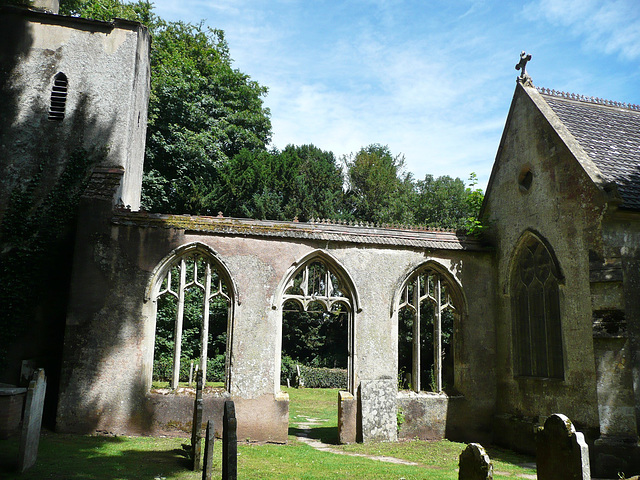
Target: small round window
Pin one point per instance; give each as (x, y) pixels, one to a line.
(525, 179)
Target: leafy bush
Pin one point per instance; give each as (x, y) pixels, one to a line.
(324, 377)
(215, 368)
(288, 370)
(163, 369)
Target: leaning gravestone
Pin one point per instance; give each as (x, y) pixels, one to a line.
(229, 442)
(561, 452)
(32, 421)
(196, 429)
(475, 464)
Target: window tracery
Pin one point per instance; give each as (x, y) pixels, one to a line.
(536, 312)
(317, 302)
(425, 332)
(193, 299)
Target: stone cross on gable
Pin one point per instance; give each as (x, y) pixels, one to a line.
(522, 65)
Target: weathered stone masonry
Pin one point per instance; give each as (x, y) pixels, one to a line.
(107, 377)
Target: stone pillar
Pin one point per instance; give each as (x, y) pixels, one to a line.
(561, 452)
(196, 428)
(347, 415)
(378, 407)
(229, 442)
(475, 464)
(207, 466)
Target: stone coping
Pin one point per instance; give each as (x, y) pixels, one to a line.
(375, 235)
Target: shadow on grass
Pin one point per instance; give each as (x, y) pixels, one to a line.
(62, 456)
(327, 435)
(509, 456)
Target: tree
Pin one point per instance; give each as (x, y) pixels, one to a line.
(107, 10)
(379, 188)
(301, 181)
(202, 111)
(441, 202)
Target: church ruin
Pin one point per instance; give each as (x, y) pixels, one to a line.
(544, 311)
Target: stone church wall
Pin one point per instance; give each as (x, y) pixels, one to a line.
(44, 163)
(106, 66)
(562, 206)
(110, 327)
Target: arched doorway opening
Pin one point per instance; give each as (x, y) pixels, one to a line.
(317, 307)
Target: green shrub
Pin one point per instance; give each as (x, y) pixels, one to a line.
(163, 369)
(324, 377)
(215, 368)
(288, 370)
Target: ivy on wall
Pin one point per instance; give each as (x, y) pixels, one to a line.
(35, 232)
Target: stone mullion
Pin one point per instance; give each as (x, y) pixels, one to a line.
(437, 340)
(205, 325)
(416, 338)
(178, 326)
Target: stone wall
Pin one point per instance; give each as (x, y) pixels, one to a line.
(107, 69)
(110, 326)
(45, 164)
(563, 206)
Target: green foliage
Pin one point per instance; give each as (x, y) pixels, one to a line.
(314, 338)
(315, 377)
(474, 200)
(379, 188)
(287, 370)
(399, 419)
(441, 202)
(202, 112)
(300, 181)
(107, 10)
(18, 3)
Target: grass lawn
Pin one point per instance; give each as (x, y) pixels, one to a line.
(101, 457)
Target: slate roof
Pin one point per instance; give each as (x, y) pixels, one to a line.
(609, 132)
(361, 234)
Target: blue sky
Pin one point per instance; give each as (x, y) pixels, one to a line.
(433, 80)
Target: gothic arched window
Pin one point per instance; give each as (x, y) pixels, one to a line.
(536, 312)
(317, 306)
(426, 316)
(193, 313)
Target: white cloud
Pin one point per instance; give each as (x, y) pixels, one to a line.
(611, 27)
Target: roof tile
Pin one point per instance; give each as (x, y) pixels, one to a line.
(609, 132)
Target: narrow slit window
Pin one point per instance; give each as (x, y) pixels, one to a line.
(58, 97)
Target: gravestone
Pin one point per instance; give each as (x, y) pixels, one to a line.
(229, 442)
(475, 464)
(561, 452)
(196, 429)
(209, 439)
(32, 421)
